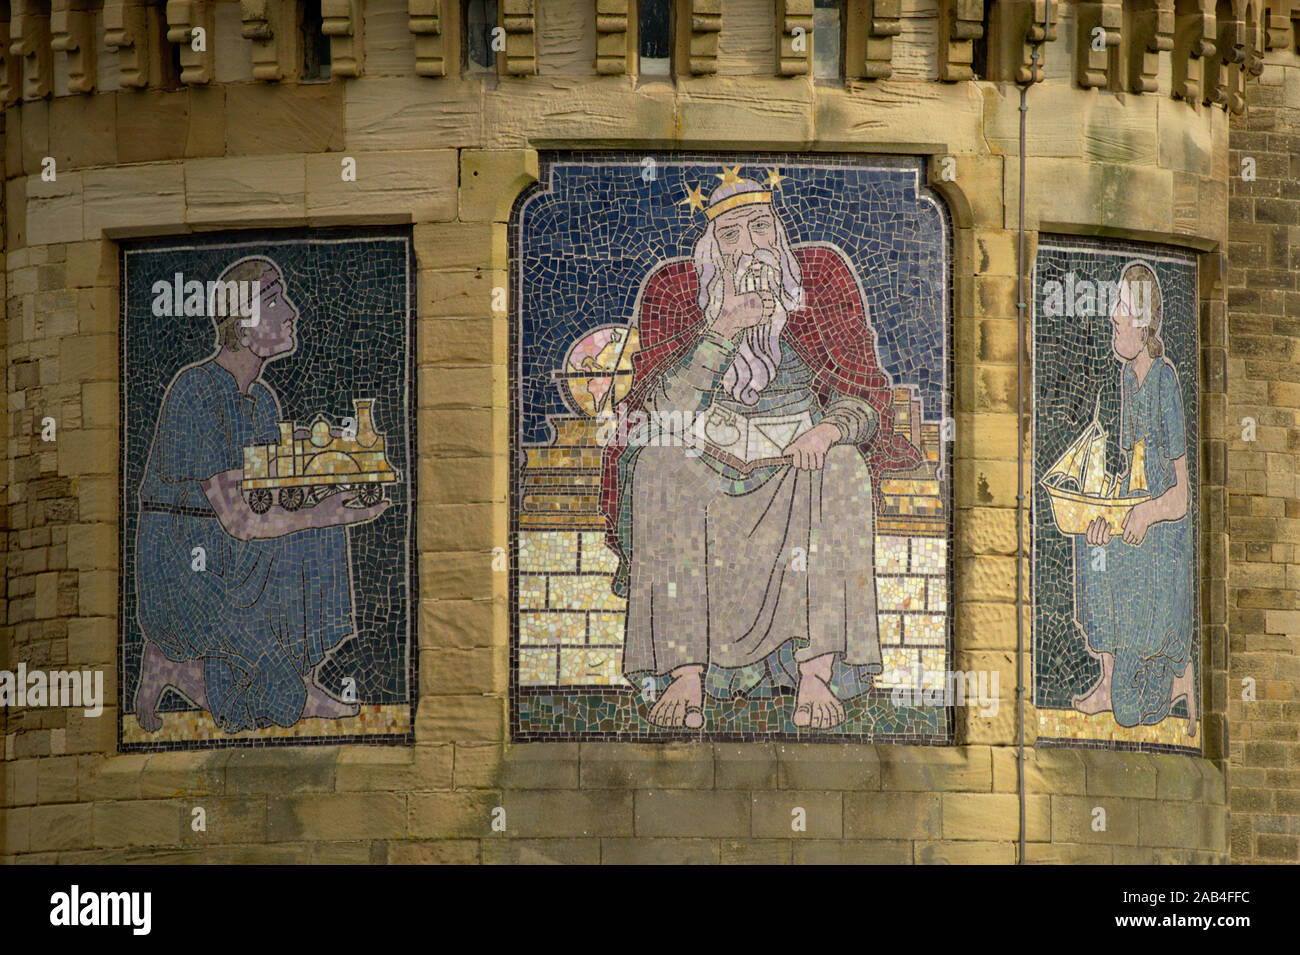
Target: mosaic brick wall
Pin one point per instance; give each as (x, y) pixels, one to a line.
(266, 490)
(1116, 495)
(730, 511)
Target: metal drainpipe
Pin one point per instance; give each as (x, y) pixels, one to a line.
(1021, 306)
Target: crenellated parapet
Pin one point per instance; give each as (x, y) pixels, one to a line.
(1202, 52)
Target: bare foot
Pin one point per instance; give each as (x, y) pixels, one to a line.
(1185, 686)
(157, 673)
(323, 704)
(815, 706)
(681, 703)
(1097, 700)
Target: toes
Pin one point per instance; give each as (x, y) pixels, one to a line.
(670, 714)
(694, 718)
(656, 714)
(837, 715)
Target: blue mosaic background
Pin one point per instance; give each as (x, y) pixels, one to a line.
(1073, 361)
(355, 297)
(601, 228)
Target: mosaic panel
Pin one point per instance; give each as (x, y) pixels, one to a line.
(1116, 495)
(731, 499)
(267, 489)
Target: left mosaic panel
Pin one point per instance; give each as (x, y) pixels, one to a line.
(267, 490)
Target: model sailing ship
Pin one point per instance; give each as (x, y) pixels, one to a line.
(1080, 489)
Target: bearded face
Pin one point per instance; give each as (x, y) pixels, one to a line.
(765, 265)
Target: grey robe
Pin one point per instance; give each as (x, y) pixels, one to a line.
(727, 568)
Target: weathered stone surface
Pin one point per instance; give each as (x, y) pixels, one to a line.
(125, 200)
(144, 822)
(793, 814)
(635, 766)
(393, 186)
(267, 120)
(888, 815)
(817, 766)
(676, 813)
(309, 816)
(659, 851)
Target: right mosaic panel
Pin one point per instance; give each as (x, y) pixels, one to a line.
(1115, 496)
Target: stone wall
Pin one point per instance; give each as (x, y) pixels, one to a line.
(1262, 695)
(450, 155)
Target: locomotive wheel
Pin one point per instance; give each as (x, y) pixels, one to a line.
(320, 492)
(370, 495)
(291, 498)
(259, 499)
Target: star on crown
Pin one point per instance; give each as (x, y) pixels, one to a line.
(694, 199)
(729, 176)
(733, 190)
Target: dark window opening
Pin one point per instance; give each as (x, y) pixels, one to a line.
(315, 44)
(655, 38)
(482, 36)
(169, 62)
(828, 40)
(979, 48)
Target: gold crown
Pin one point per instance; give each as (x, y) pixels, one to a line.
(739, 199)
(695, 198)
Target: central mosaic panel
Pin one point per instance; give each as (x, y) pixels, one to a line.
(730, 510)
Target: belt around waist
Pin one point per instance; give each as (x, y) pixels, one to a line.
(150, 507)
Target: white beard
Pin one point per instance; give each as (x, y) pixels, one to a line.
(759, 351)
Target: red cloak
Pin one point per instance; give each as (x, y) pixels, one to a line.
(829, 333)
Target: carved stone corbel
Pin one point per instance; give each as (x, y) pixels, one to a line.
(72, 33)
(1230, 54)
(271, 26)
(1251, 49)
(29, 42)
(1097, 23)
(184, 18)
(883, 24)
(794, 41)
(611, 37)
(1279, 31)
(1015, 28)
(342, 23)
(1256, 38)
(520, 23)
(426, 23)
(126, 32)
(706, 23)
(10, 75)
(1151, 30)
(1193, 43)
(961, 23)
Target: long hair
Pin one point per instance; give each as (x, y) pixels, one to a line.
(759, 352)
(1133, 273)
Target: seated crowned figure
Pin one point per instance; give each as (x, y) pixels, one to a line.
(742, 565)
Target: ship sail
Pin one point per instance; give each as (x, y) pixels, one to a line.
(1095, 494)
(1095, 473)
(1084, 461)
(1073, 463)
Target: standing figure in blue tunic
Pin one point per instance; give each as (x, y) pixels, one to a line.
(241, 627)
(1136, 608)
